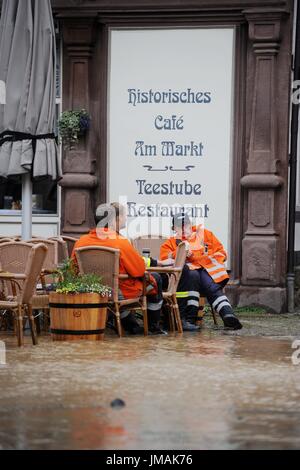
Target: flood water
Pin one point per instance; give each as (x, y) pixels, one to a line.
(207, 390)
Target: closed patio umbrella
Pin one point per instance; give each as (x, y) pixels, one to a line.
(28, 149)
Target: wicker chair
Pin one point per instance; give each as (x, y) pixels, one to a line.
(13, 259)
(51, 261)
(21, 303)
(152, 242)
(174, 274)
(105, 262)
(40, 300)
(70, 241)
(62, 248)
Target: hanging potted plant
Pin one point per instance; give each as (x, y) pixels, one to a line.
(78, 305)
(72, 124)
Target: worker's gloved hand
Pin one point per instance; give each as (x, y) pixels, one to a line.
(166, 262)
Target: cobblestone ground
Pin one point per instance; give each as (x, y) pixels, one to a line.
(209, 390)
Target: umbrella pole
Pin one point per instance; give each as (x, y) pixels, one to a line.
(26, 207)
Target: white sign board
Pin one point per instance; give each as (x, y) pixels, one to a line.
(169, 129)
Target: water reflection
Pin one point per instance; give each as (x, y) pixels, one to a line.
(206, 390)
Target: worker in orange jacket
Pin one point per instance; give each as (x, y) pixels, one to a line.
(109, 220)
(204, 273)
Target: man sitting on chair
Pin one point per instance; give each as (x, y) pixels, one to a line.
(207, 274)
(110, 219)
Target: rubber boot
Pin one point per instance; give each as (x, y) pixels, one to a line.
(229, 318)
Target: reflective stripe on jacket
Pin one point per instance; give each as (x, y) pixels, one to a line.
(207, 252)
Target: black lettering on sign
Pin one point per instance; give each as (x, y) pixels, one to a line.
(168, 189)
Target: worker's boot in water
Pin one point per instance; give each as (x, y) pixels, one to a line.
(230, 319)
(189, 325)
(131, 325)
(154, 329)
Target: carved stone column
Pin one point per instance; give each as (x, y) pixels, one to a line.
(261, 258)
(79, 180)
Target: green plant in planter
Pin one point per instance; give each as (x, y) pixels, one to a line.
(73, 283)
(71, 124)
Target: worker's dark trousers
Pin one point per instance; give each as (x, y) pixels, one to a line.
(194, 283)
(154, 302)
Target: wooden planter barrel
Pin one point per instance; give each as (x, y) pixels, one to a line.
(77, 316)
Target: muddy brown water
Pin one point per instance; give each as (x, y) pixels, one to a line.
(207, 390)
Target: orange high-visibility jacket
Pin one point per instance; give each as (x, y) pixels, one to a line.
(207, 252)
(131, 262)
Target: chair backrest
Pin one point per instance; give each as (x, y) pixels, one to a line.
(11, 237)
(33, 269)
(70, 241)
(152, 242)
(103, 261)
(51, 260)
(14, 256)
(179, 263)
(5, 240)
(62, 247)
(13, 259)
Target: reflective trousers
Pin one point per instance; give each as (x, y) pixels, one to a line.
(194, 283)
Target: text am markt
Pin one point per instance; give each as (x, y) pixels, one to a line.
(169, 148)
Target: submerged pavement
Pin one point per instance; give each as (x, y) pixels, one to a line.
(209, 390)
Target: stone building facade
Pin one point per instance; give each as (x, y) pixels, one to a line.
(263, 55)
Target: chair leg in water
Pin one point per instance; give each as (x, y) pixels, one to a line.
(171, 317)
(214, 316)
(145, 321)
(20, 326)
(177, 315)
(32, 326)
(118, 321)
